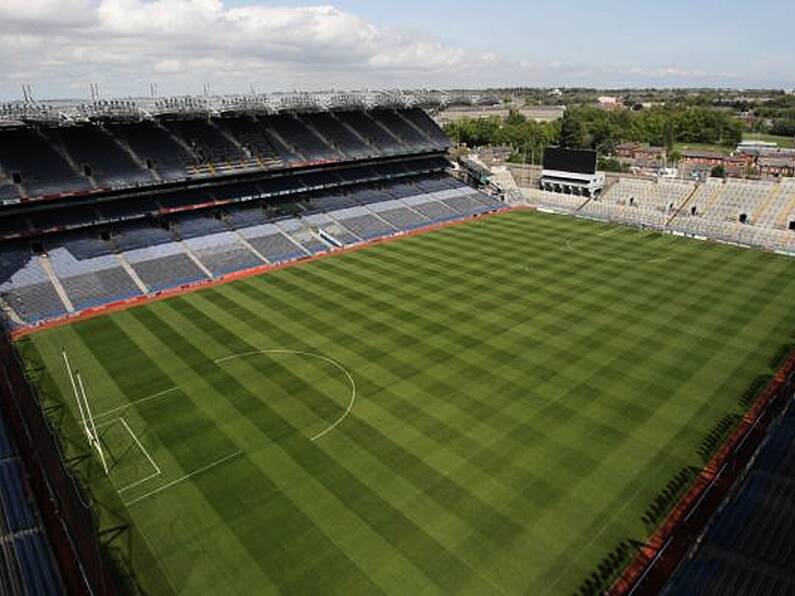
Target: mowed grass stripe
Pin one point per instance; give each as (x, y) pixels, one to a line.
(188, 441)
(528, 384)
(425, 553)
(400, 458)
(435, 518)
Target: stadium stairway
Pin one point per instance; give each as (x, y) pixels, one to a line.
(356, 134)
(131, 272)
(56, 283)
(308, 123)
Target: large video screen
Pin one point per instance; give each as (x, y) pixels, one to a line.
(580, 161)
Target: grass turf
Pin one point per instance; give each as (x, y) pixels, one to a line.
(526, 385)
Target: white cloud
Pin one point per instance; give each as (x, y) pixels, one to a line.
(61, 46)
(125, 44)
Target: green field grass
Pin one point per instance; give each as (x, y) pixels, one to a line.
(525, 386)
(758, 136)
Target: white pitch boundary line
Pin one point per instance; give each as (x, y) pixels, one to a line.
(135, 403)
(331, 361)
(146, 453)
(157, 469)
(217, 462)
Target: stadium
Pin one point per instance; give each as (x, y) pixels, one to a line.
(287, 344)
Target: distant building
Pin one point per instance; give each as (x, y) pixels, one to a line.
(607, 100)
(776, 166)
(640, 151)
(704, 161)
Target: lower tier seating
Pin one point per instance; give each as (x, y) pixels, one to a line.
(77, 270)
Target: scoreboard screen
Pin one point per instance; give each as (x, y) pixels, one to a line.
(580, 161)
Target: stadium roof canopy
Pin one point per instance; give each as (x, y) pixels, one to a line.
(74, 111)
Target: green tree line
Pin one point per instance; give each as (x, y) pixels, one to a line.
(593, 128)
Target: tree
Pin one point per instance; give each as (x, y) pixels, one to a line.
(718, 172)
(571, 130)
(515, 118)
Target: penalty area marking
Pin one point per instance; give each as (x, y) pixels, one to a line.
(330, 361)
(217, 462)
(152, 462)
(573, 248)
(135, 403)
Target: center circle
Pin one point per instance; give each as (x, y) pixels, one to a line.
(316, 388)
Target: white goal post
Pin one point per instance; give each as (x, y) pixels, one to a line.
(84, 408)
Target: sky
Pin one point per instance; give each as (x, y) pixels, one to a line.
(61, 47)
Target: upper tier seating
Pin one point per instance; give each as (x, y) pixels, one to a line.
(156, 147)
(404, 130)
(41, 168)
(207, 142)
(250, 135)
(115, 155)
(424, 122)
(373, 133)
(302, 140)
(101, 157)
(346, 141)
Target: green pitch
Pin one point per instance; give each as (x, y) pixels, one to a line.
(485, 409)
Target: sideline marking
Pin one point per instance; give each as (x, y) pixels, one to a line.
(331, 361)
(217, 462)
(134, 403)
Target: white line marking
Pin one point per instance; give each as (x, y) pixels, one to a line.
(157, 469)
(146, 453)
(138, 482)
(183, 478)
(331, 361)
(135, 403)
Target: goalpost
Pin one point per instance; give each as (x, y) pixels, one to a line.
(83, 406)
